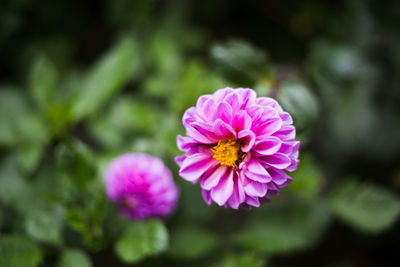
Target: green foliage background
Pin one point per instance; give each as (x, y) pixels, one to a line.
(84, 81)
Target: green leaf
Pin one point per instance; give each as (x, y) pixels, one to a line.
(197, 80)
(105, 132)
(74, 257)
(307, 179)
(283, 227)
(336, 64)
(300, 102)
(19, 251)
(365, 207)
(247, 259)
(45, 224)
(32, 129)
(126, 117)
(89, 223)
(75, 162)
(191, 242)
(13, 108)
(14, 190)
(22, 128)
(161, 85)
(33, 134)
(142, 239)
(108, 76)
(130, 114)
(87, 219)
(169, 127)
(49, 177)
(29, 156)
(43, 81)
(192, 208)
(166, 53)
(148, 145)
(240, 59)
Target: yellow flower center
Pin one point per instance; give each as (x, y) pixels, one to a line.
(228, 153)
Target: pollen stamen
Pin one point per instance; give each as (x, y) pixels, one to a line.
(228, 153)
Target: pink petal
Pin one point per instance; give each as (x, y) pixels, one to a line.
(223, 112)
(247, 95)
(233, 99)
(238, 195)
(195, 165)
(201, 100)
(184, 143)
(272, 187)
(269, 102)
(256, 189)
(179, 160)
(220, 95)
(288, 181)
(268, 146)
(293, 165)
(286, 118)
(270, 113)
(295, 152)
(206, 196)
(223, 191)
(269, 127)
(255, 112)
(278, 160)
(252, 201)
(203, 127)
(241, 121)
(257, 172)
(279, 177)
(287, 132)
(223, 130)
(207, 109)
(201, 133)
(287, 147)
(211, 180)
(248, 138)
(189, 116)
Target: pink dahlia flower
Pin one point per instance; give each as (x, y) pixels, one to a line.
(239, 147)
(141, 186)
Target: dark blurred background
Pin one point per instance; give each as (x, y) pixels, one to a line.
(83, 81)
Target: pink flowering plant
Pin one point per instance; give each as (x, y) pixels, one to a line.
(141, 186)
(238, 146)
(118, 149)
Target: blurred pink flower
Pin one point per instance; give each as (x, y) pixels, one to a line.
(141, 186)
(238, 146)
